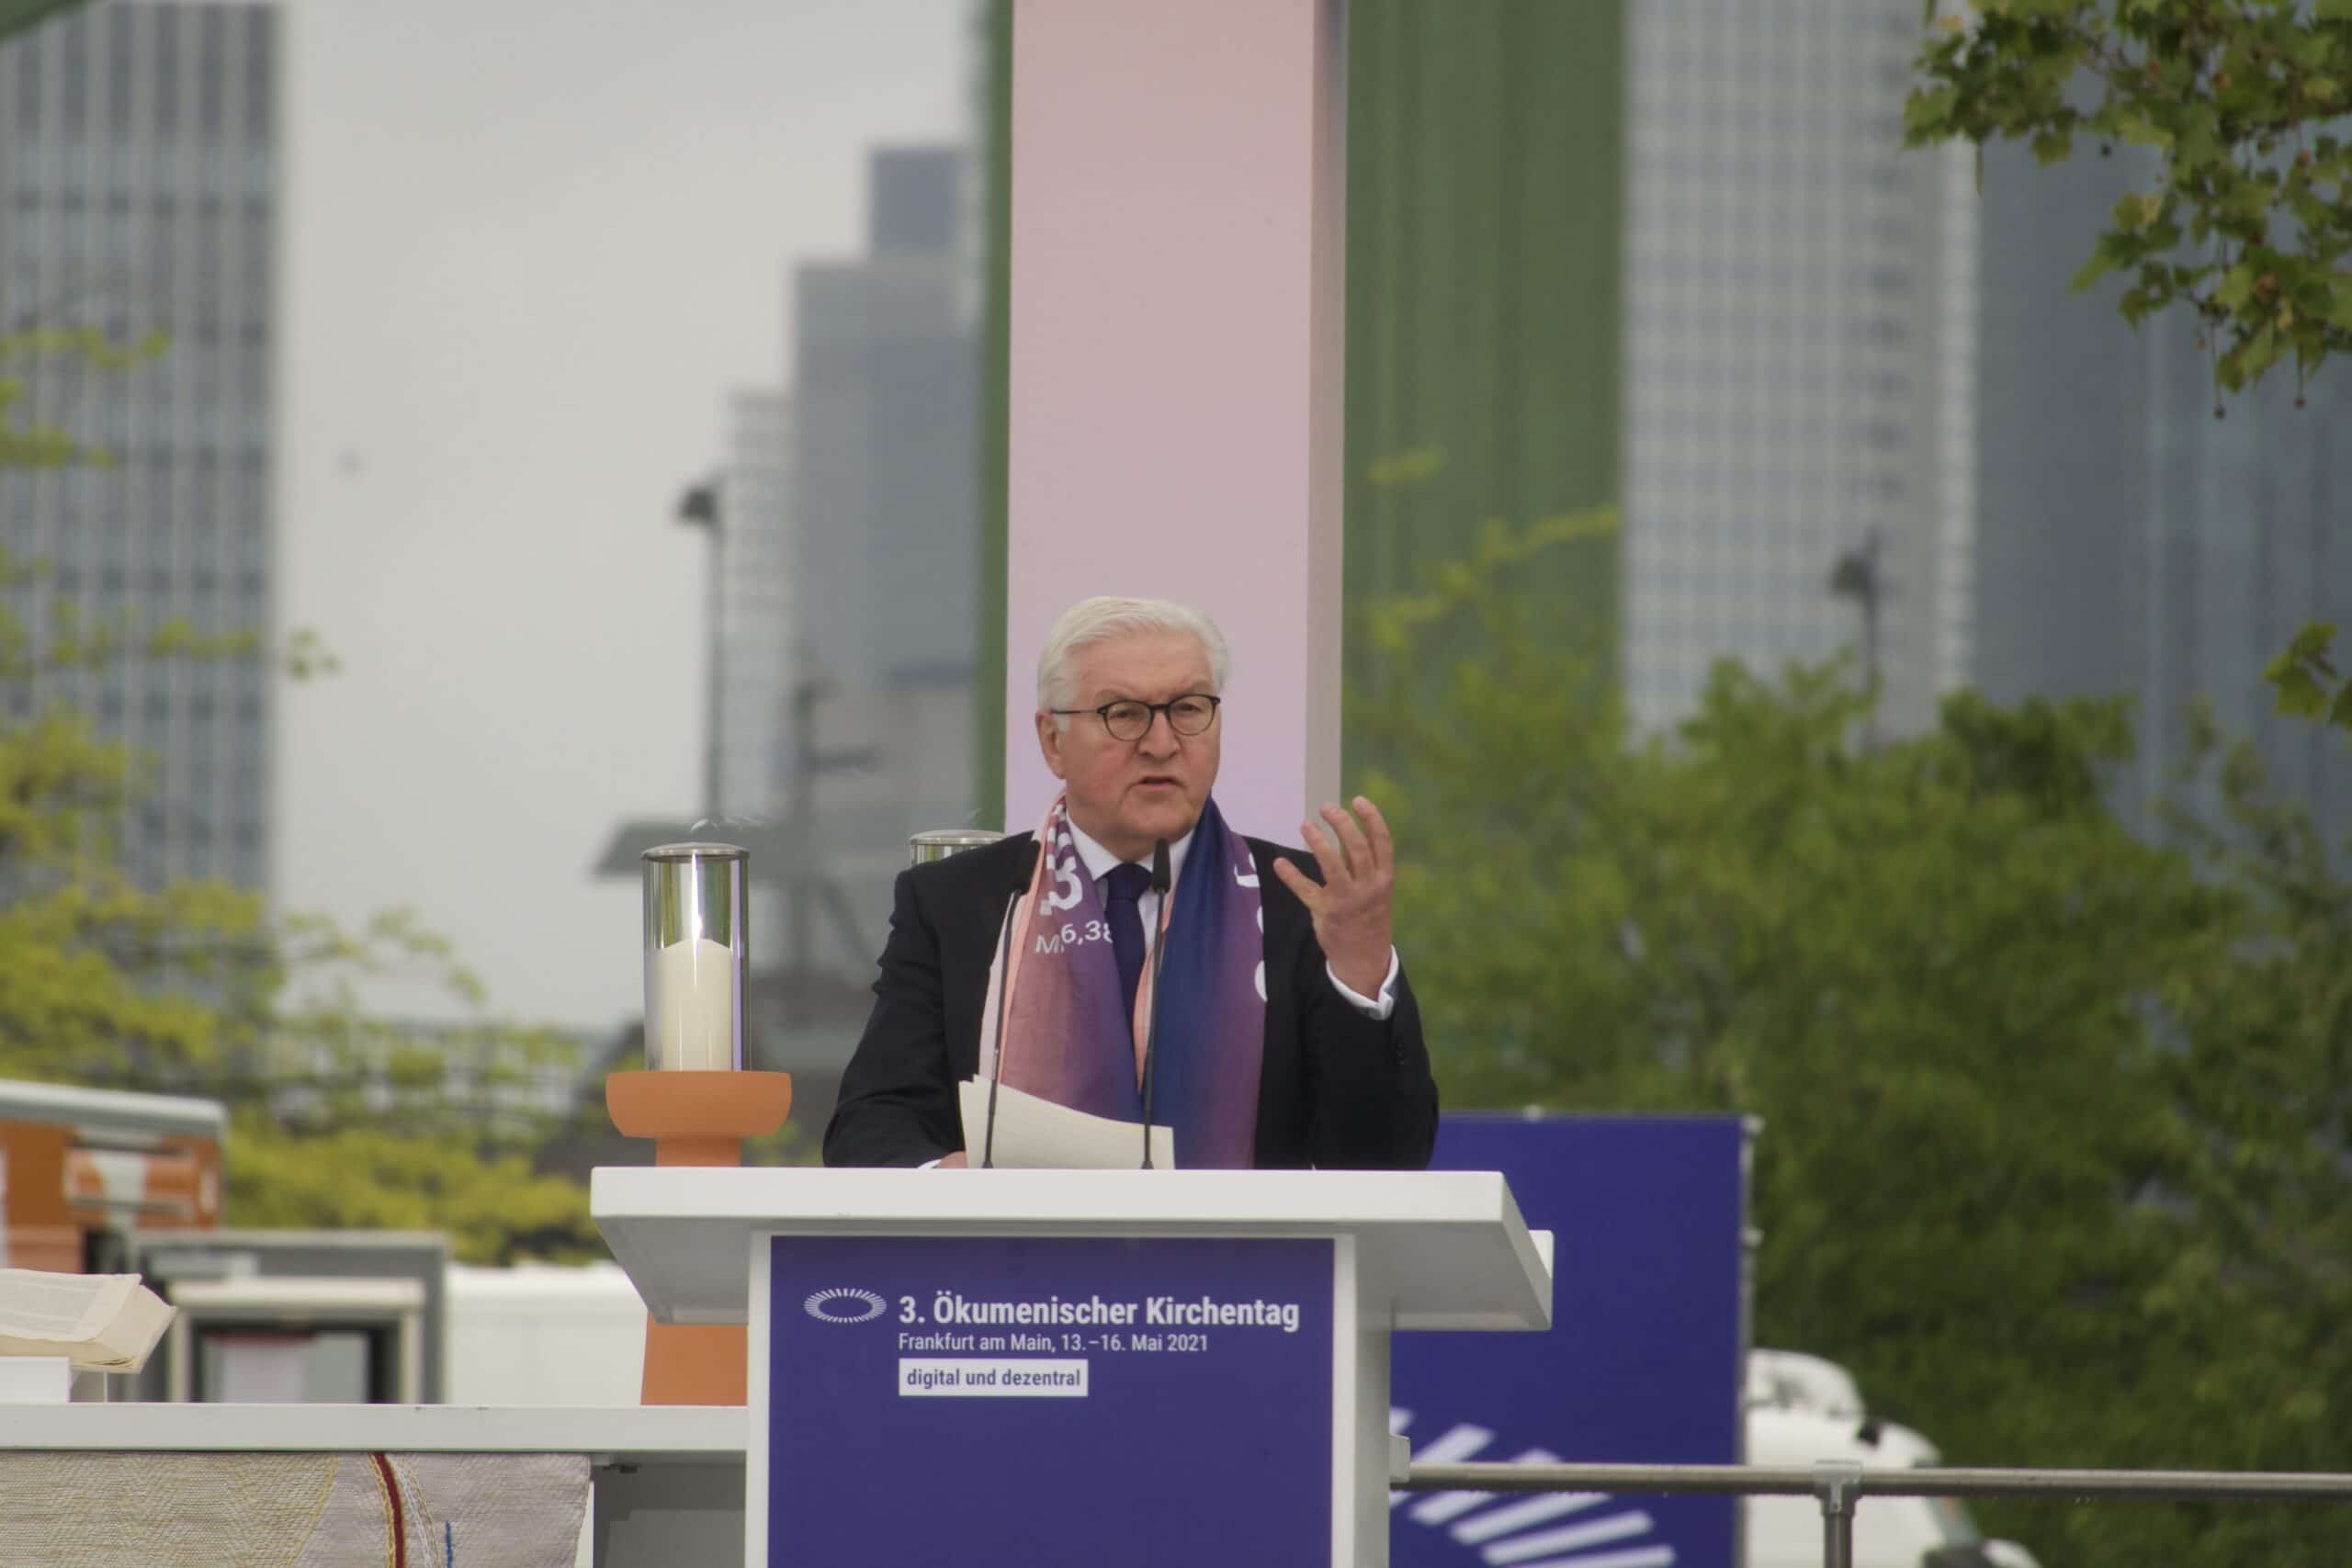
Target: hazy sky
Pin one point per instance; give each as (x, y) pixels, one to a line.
(529, 246)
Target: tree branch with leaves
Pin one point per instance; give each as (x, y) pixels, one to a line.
(2247, 218)
(2246, 222)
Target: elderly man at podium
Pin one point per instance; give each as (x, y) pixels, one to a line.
(1283, 1034)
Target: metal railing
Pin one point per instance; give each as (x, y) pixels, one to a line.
(1840, 1484)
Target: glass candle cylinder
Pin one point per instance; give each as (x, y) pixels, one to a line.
(697, 958)
(941, 842)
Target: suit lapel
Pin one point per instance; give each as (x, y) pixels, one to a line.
(968, 937)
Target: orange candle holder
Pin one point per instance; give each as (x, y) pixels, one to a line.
(696, 1119)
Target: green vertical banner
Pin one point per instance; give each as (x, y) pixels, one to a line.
(1486, 230)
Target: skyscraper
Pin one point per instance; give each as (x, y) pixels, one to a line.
(1799, 354)
(2246, 542)
(886, 399)
(2132, 544)
(138, 194)
(886, 545)
(752, 589)
(844, 614)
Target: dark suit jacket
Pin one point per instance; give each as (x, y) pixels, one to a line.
(1338, 1088)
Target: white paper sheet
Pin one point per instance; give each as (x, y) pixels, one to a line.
(1037, 1134)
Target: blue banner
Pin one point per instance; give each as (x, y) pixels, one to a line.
(993, 1401)
(1641, 1365)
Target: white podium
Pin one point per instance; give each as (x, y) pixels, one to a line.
(1065, 1276)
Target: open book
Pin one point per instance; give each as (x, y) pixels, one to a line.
(106, 1322)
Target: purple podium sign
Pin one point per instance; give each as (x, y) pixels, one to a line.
(1641, 1365)
(996, 1401)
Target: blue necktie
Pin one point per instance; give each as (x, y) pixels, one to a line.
(1121, 888)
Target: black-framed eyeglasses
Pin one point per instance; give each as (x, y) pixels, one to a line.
(1188, 715)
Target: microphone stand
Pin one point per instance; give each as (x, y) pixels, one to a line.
(1160, 879)
(1022, 877)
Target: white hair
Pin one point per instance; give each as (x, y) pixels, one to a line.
(1105, 619)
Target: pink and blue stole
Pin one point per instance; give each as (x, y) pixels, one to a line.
(1064, 1037)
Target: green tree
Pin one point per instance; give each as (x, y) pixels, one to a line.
(2054, 1116)
(352, 1120)
(338, 1119)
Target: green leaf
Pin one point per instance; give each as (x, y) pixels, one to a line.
(2299, 696)
(2104, 260)
(2339, 312)
(2259, 354)
(1926, 113)
(2235, 290)
(2313, 643)
(2199, 141)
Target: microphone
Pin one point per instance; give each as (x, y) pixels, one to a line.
(1023, 874)
(1151, 1014)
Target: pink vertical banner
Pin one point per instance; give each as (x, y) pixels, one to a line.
(1177, 311)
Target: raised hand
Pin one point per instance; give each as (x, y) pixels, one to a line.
(1350, 908)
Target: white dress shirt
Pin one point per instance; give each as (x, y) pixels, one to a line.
(1100, 862)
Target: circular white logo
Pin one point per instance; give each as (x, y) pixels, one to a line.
(841, 1305)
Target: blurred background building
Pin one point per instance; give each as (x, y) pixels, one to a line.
(1799, 356)
(841, 678)
(887, 381)
(885, 492)
(1675, 255)
(2132, 544)
(752, 620)
(139, 194)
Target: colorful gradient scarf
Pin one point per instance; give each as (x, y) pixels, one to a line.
(1064, 1039)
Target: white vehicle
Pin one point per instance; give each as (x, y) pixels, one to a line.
(1801, 1410)
(1790, 1379)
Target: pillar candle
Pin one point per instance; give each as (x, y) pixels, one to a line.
(694, 1010)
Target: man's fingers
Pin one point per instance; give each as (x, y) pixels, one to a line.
(1352, 839)
(1300, 884)
(1376, 827)
(1326, 853)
